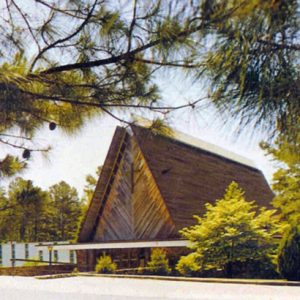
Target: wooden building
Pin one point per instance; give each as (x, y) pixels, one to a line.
(150, 187)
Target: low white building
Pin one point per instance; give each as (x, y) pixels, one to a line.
(13, 250)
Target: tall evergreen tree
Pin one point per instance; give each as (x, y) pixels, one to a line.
(24, 216)
(66, 211)
(29, 214)
(286, 180)
(89, 188)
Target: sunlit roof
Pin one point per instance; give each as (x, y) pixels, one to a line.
(201, 144)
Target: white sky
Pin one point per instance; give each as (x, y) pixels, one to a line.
(72, 158)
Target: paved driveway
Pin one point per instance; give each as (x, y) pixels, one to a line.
(92, 288)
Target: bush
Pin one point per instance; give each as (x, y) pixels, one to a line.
(289, 255)
(158, 264)
(105, 265)
(263, 268)
(189, 265)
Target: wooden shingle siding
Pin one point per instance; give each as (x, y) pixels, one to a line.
(151, 217)
(115, 222)
(87, 226)
(189, 177)
(134, 209)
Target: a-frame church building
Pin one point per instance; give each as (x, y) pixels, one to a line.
(150, 187)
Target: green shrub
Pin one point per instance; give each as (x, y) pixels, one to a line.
(105, 265)
(158, 264)
(289, 255)
(263, 268)
(189, 265)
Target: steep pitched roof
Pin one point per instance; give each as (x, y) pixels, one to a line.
(103, 185)
(186, 175)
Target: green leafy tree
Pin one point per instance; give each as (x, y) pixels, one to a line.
(65, 211)
(5, 205)
(29, 214)
(286, 180)
(3, 200)
(286, 184)
(24, 213)
(89, 188)
(232, 232)
(289, 255)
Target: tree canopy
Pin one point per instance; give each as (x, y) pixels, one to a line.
(286, 180)
(91, 182)
(289, 254)
(28, 213)
(253, 63)
(107, 56)
(232, 232)
(66, 211)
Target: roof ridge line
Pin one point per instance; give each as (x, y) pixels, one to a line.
(197, 143)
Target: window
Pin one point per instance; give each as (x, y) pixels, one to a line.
(26, 251)
(72, 257)
(55, 255)
(41, 257)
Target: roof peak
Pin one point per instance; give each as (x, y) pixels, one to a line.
(198, 143)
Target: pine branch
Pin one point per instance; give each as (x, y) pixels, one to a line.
(37, 96)
(60, 41)
(29, 27)
(294, 47)
(131, 54)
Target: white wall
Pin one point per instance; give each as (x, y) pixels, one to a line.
(33, 253)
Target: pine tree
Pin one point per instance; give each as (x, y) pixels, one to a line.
(106, 62)
(286, 180)
(24, 212)
(66, 211)
(232, 232)
(89, 188)
(159, 263)
(289, 255)
(252, 61)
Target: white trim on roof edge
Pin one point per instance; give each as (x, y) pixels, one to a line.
(201, 144)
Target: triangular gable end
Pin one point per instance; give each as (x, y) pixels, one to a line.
(152, 220)
(127, 204)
